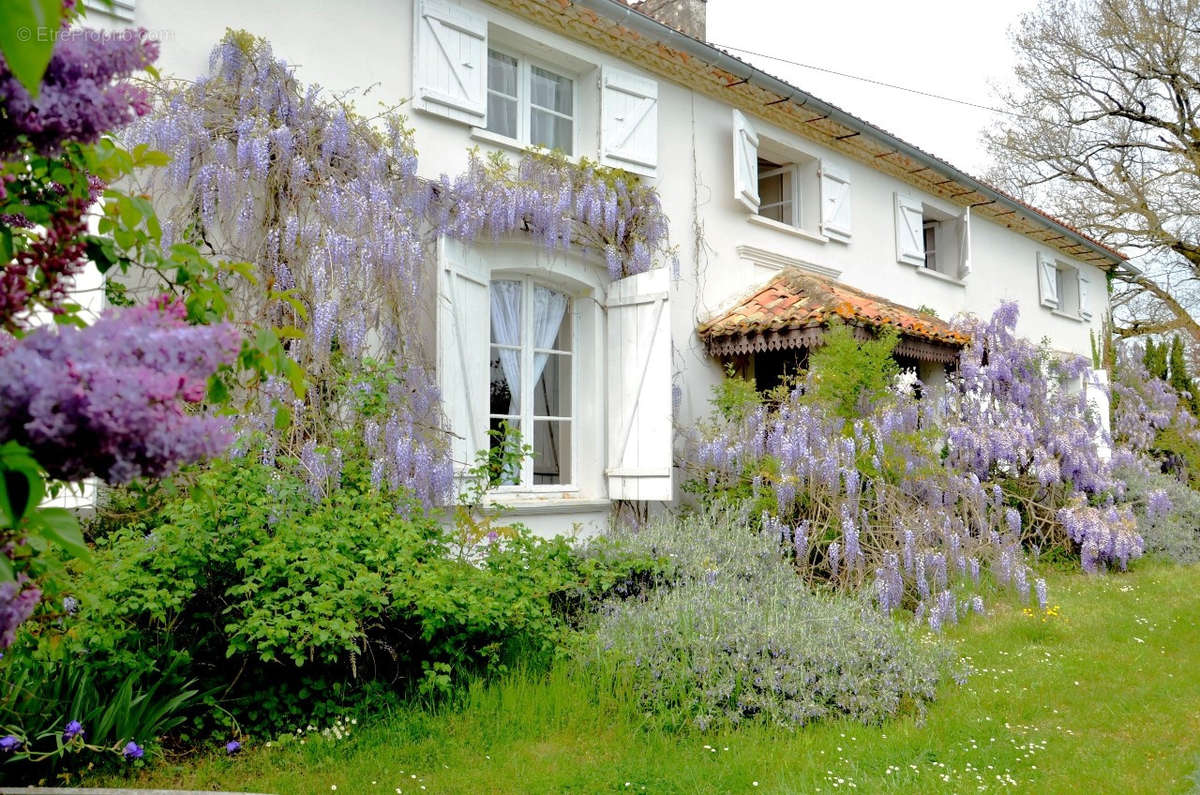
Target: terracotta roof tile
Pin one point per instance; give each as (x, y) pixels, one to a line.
(798, 300)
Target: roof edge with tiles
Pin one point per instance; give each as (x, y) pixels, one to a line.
(793, 306)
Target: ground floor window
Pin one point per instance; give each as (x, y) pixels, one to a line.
(532, 384)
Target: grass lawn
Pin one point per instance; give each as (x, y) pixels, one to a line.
(1103, 696)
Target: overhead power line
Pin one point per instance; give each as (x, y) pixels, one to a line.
(869, 80)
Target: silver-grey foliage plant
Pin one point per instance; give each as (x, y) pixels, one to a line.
(736, 635)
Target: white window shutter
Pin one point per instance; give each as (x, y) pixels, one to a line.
(910, 231)
(835, 204)
(450, 62)
(1047, 281)
(745, 162)
(1085, 284)
(463, 343)
(629, 128)
(964, 244)
(640, 430)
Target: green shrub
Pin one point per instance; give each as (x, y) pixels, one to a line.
(289, 610)
(739, 636)
(850, 375)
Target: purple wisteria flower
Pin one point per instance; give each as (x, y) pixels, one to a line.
(1157, 504)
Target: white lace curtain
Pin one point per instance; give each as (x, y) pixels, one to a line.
(549, 307)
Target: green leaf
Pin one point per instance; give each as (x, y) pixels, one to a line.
(60, 526)
(295, 377)
(283, 417)
(218, 392)
(27, 38)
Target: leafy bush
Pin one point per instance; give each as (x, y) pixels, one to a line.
(290, 609)
(1167, 512)
(739, 636)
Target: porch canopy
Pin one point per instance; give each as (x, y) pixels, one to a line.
(794, 308)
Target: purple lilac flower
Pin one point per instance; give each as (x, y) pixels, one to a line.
(17, 601)
(83, 93)
(111, 399)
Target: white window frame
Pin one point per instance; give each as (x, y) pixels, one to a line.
(525, 105)
(1067, 285)
(793, 171)
(933, 225)
(526, 419)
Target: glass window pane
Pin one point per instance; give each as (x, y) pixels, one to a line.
(770, 189)
(502, 115)
(550, 131)
(502, 73)
(505, 394)
(552, 392)
(548, 90)
(504, 464)
(551, 452)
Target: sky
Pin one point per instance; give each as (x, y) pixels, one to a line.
(955, 48)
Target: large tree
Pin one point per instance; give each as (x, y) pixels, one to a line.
(1104, 133)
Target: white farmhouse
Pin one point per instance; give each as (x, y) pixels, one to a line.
(785, 209)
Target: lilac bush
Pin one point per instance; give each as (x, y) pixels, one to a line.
(84, 92)
(115, 399)
(18, 598)
(915, 499)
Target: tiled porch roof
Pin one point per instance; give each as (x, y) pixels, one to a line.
(793, 309)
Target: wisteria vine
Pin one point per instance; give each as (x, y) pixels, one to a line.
(329, 208)
(915, 499)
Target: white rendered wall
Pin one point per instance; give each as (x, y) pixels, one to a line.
(368, 43)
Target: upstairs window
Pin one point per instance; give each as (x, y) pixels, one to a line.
(930, 229)
(530, 103)
(1064, 288)
(933, 240)
(532, 390)
(782, 184)
(778, 194)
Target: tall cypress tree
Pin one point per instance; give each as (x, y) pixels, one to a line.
(1181, 380)
(1155, 359)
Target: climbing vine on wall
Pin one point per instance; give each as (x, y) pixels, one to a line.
(328, 208)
